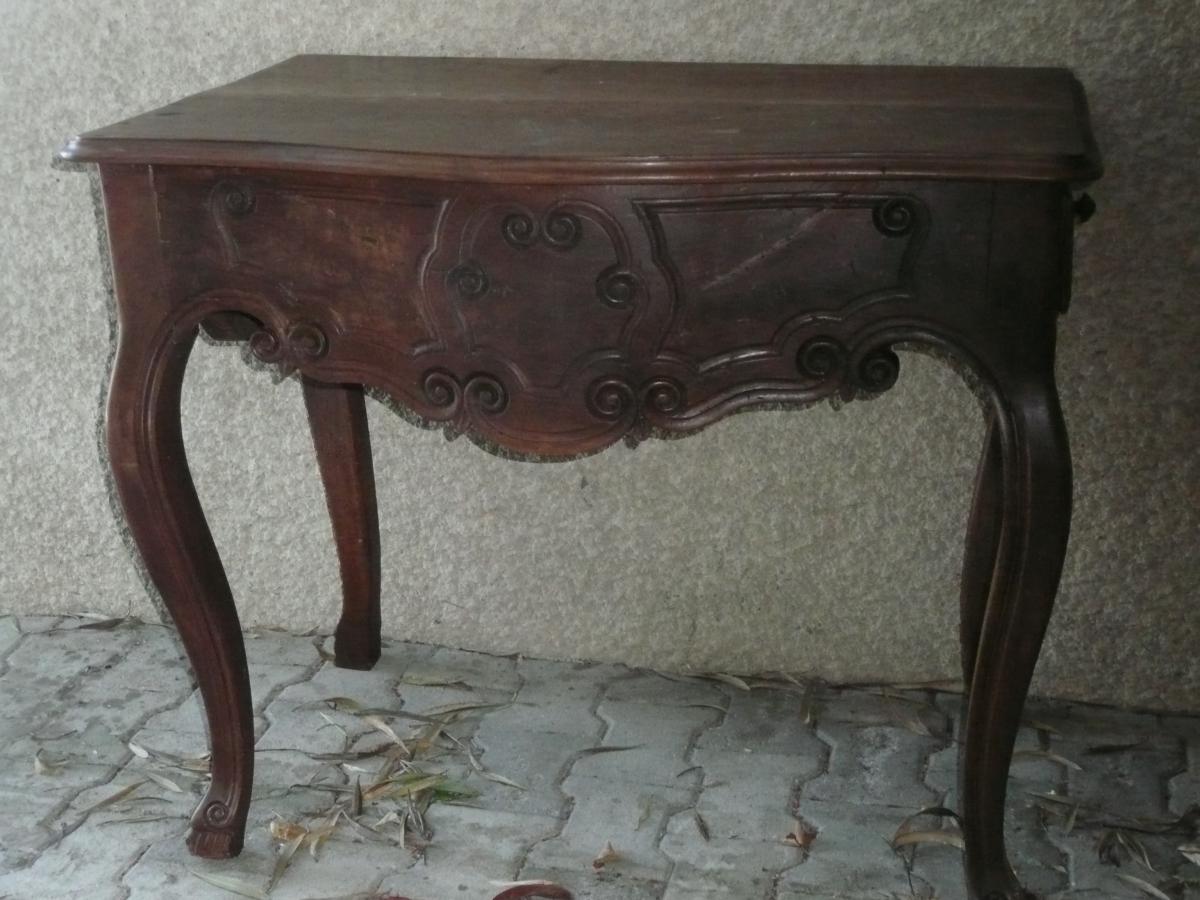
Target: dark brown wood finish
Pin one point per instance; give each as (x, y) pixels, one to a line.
(550, 257)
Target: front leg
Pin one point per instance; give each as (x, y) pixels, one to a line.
(145, 447)
(337, 418)
(1035, 496)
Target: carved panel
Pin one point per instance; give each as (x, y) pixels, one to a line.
(546, 288)
(744, 269)
(309, 244)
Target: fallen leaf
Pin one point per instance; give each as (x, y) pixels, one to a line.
(1191, 852)
(139, 751)
(608, 855)
(233, 885)
(164, 782)
(1048, 755)
(592, 751)
(1142, 885)
(435, 681)
(115, 798)
(284, 859)
(726, 678)
(701, 825)
(938, 836)
(801, 836)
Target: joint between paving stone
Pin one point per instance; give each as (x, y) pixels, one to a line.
(568, 801)
(57, 835)
(697, 790)
(794, 807)
(21, 638)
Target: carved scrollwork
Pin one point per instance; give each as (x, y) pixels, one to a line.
(878, 370)
(216, 814)
(895, 216)
(826, 358)
(617, 286)
(613, 398)
(664, 395)
(237, 199)
(441, 389)
(468, 279)
(519, 230)
(302, 344)
(821, 357)
(444, 391)
(487, 393)
(561, 229)
(610, 398)
(558, 228)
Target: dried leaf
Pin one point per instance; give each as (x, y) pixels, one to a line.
(592, 751)
(233, 885)
(726, 678)
(913, 722)
(164, 782)
(1042, 727)
(284, 831)
(1048, 755)
(115, 798)
(1191, 852)
(139, 751)
(607, 855)
(701, 825)
(356, 802)
(801, 836)
(417, 680)
(284, 859)
(403, 787)
(485, 773)
(383, 727)
(688, 771)
(1143, 886)
(950, 838)
(43, 765)
(1069, 826)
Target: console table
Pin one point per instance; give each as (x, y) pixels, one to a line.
(551, 256)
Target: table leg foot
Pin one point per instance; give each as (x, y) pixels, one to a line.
(215, 841)
(1034, 520)
(337, 418)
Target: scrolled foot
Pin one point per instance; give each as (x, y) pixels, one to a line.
(209, 844)
(216, 833)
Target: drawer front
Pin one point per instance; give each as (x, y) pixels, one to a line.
(555, 321)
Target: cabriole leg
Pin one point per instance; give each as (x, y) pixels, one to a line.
(1034, 499)
(145, 446)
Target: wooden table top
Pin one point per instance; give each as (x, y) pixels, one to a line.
(557, 120)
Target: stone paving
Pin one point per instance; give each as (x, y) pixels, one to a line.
(632, 785)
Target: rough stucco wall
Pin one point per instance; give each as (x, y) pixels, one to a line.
(819, 542)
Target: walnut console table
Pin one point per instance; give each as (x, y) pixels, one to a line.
(552, 256)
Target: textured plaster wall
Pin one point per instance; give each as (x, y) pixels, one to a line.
(824, 542)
